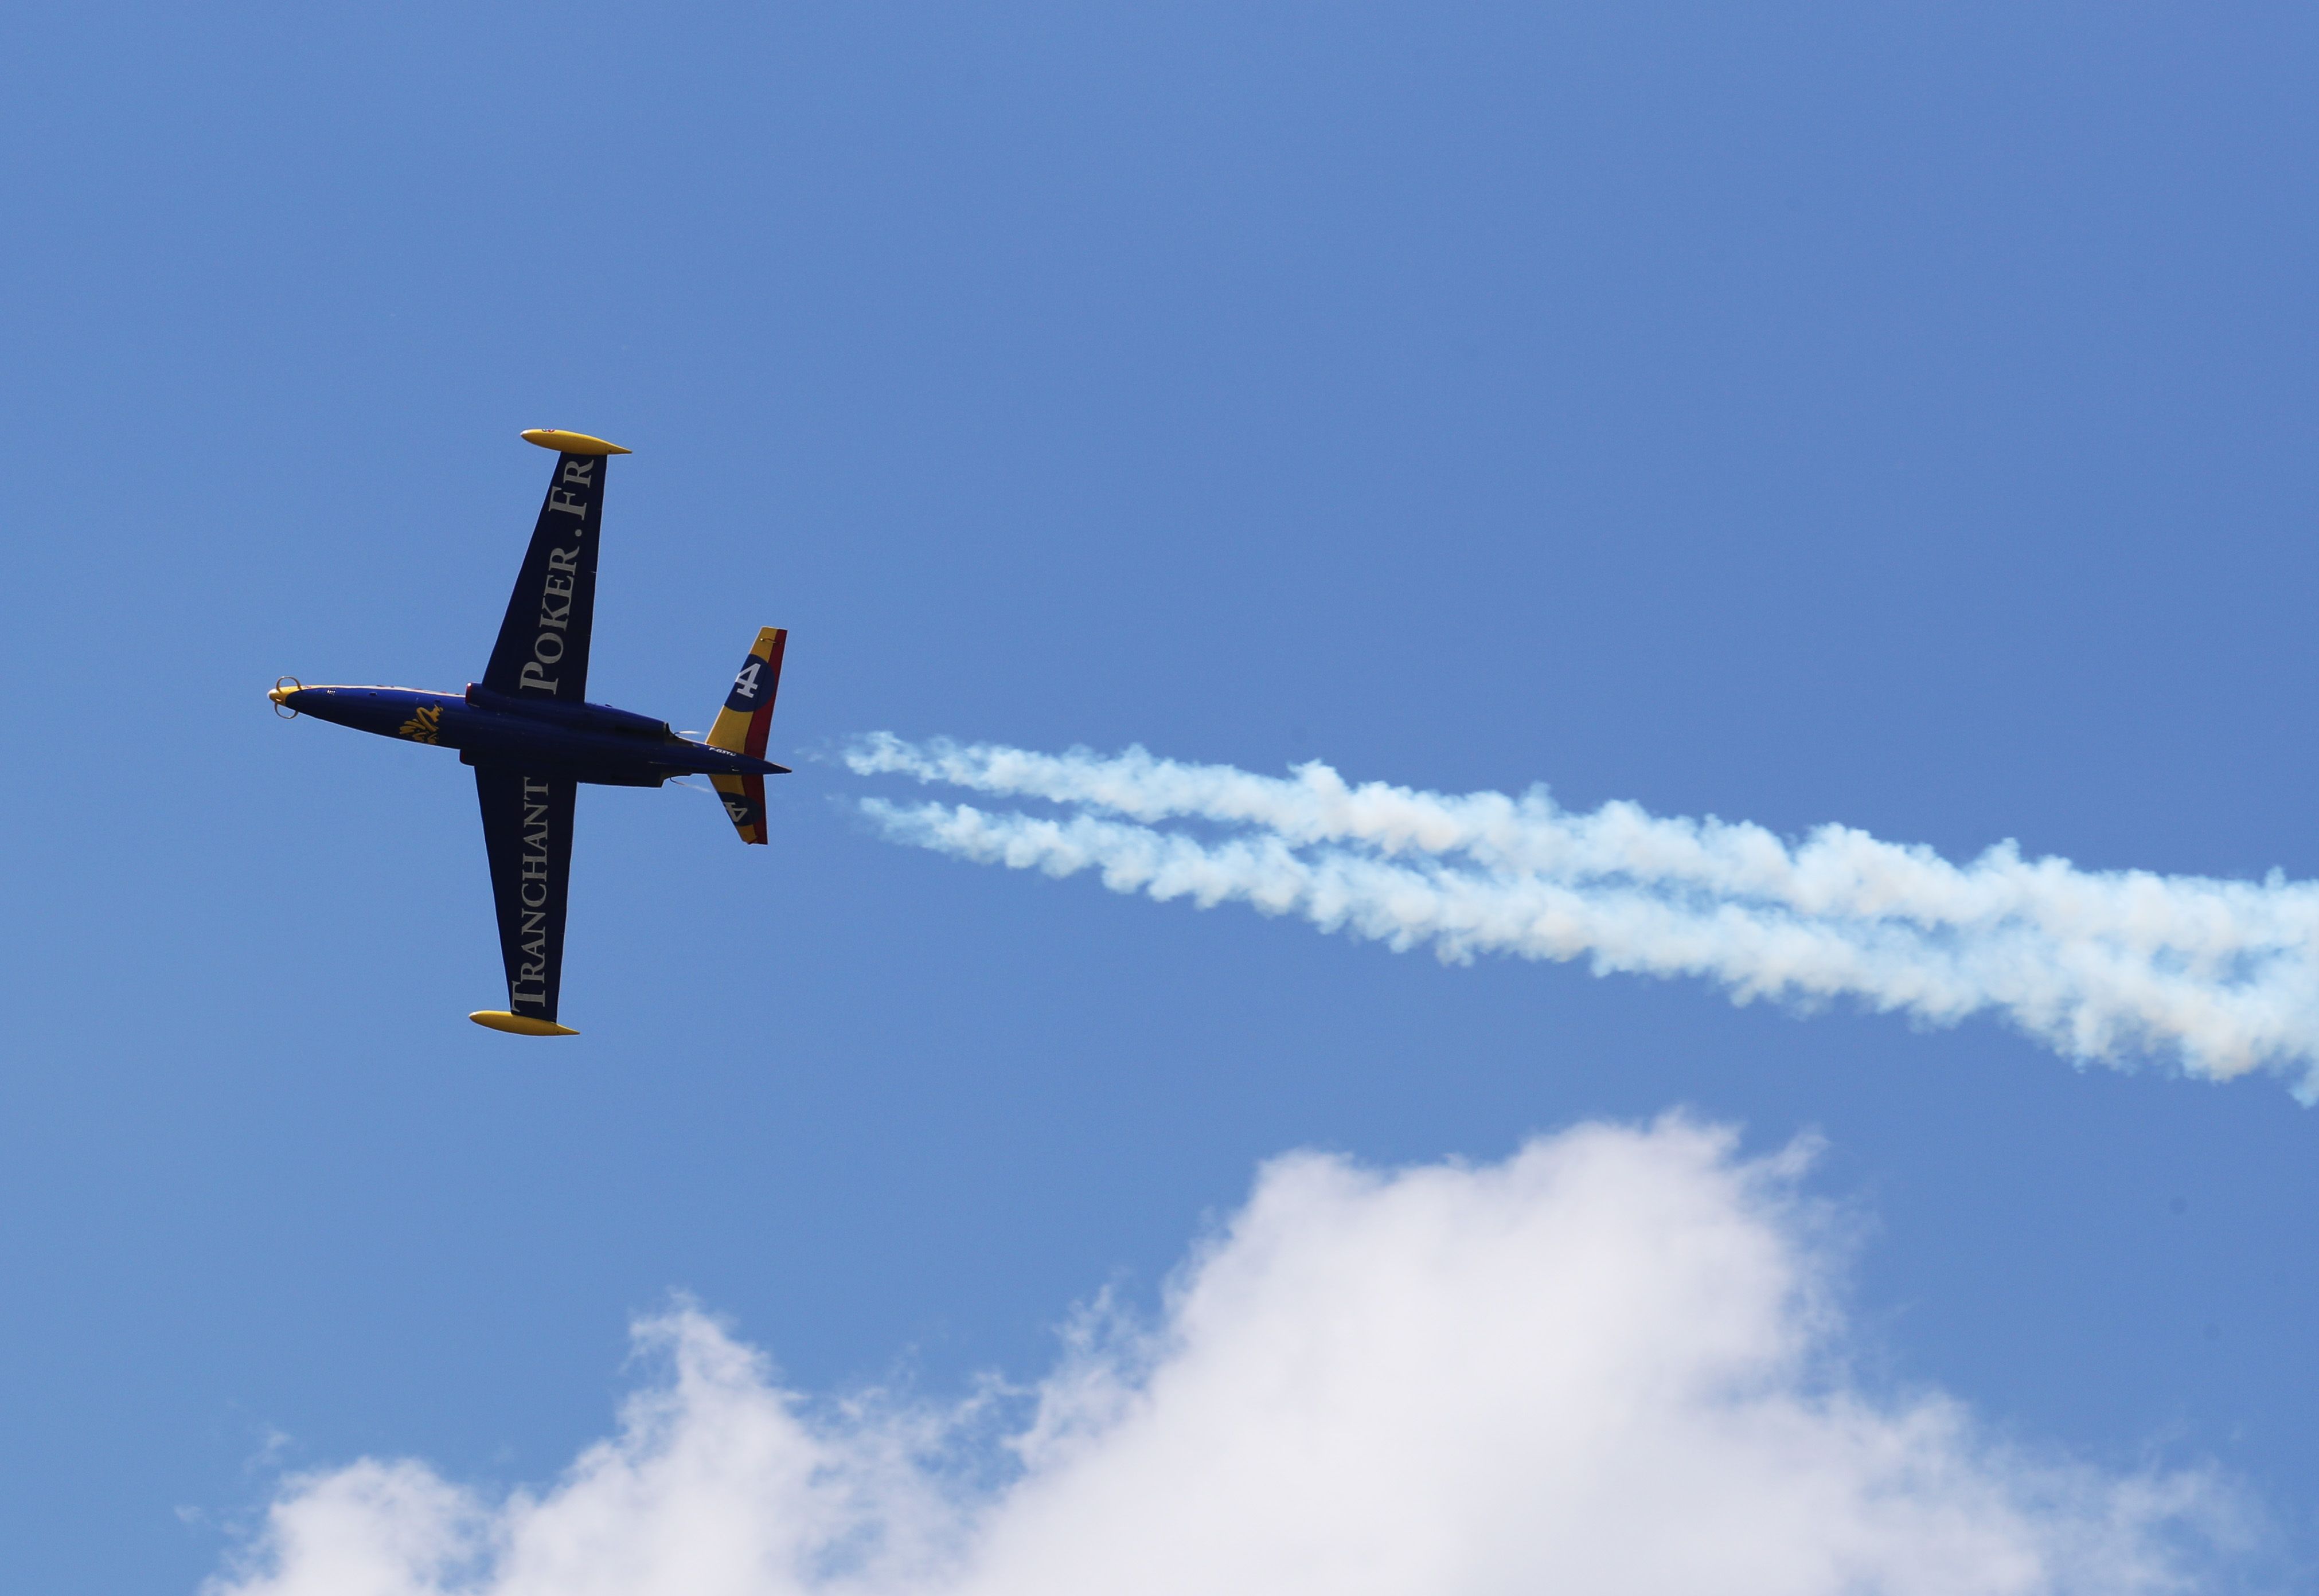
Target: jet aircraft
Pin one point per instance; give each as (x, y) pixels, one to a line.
(534, 739)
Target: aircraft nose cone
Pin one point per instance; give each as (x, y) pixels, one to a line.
(280, 695)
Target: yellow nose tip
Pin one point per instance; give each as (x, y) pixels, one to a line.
(280, 695)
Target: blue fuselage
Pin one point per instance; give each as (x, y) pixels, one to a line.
(585, 742)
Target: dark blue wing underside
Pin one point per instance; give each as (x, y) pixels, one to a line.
(542, 653)
(528, 833)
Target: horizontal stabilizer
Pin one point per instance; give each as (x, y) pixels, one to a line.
(744, 801)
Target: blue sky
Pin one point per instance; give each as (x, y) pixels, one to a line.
(1896, 416)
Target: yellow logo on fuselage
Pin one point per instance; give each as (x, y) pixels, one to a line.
(425, 722)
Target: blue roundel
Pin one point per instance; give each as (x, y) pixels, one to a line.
(752, 688)
(745, 814)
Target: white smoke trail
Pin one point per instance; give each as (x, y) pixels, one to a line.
(2102, 965)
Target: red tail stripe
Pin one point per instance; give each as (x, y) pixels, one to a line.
(761, 722)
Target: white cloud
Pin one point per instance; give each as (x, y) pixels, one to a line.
(1611, 1364)
(2100, 965)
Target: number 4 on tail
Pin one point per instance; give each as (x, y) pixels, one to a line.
(749, 707)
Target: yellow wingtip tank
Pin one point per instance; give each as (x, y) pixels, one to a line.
(498, 1019)
(572, 442)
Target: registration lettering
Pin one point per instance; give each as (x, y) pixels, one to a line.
(531, 984)
(571, 494)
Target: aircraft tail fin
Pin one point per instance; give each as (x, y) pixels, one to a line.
(742, 725)
(748, 713)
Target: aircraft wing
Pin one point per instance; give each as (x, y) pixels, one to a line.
(527, 833)
(542, 653)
